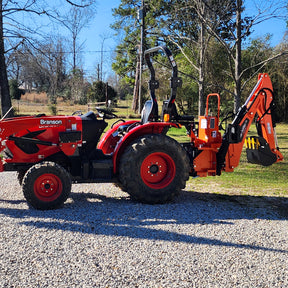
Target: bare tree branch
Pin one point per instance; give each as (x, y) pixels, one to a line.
(79, 5)
(261, 64)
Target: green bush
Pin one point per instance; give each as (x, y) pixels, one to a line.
(53, 109)
(15, 92)
(97, 92)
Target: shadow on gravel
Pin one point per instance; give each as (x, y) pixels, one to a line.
(91, 213)
(12, 201)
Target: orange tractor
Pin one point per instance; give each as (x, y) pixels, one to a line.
(50, 153)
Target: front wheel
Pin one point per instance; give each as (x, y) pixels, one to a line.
(154, 169)
(46, 186)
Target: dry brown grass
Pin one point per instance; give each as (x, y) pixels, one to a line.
(34, 97)
(26, 108)
(36, 103)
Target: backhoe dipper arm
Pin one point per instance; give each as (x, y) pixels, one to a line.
(262, 149)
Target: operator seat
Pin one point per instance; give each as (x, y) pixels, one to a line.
(149, 112)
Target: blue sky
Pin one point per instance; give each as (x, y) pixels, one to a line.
(99, 29)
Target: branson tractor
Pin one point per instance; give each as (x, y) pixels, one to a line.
(50, 153)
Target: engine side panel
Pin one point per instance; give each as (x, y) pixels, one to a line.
(32, 139)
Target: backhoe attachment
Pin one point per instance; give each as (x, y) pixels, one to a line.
(262, 149)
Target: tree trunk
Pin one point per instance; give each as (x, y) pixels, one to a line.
(237, 90)
(74, 54)
(201, 92)
(4, 89)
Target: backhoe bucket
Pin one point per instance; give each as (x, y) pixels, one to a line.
(259, 152)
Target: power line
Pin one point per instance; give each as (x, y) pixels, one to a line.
(81, 52)
(86, 52)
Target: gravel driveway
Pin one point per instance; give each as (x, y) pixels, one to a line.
(102, 239)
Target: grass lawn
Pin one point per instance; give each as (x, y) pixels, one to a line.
(250, 179)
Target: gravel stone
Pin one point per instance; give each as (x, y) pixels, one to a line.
(100, 238)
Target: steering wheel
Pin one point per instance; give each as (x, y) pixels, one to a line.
(106, 113)
(227, 116)
(78, 112)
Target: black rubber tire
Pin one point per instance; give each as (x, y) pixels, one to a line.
(46, 186)
(134, 172)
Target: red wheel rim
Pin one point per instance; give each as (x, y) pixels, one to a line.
(158, 170)
(48, 187)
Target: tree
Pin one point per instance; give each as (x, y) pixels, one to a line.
(236, 31)
(190, 26)
(190, 36)
(101, 92)
(127, 62)
(278, 70)
(176, 24)
(74, 21)
(77, 86)
(41, 66)
(5, 96)
(15, 91)
(16, 30)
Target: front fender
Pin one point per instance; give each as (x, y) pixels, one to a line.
(138, 131)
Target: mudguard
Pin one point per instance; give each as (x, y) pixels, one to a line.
(136, 132)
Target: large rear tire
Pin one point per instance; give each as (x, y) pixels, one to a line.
(46, 186)
(153, 169)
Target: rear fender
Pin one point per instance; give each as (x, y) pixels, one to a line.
(138, 131)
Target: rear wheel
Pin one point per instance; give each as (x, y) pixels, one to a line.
(46, 186)
(154, 169)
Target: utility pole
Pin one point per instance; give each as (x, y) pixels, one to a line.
(98, 72)
(101, 62)
(137, 101)
(106, 94)
(136, 87)
(142, 14)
